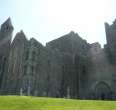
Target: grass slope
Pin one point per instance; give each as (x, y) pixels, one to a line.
(38, 103)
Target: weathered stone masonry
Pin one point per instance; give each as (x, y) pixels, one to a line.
(65, 67)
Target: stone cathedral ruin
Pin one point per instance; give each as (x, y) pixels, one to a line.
(65, 67)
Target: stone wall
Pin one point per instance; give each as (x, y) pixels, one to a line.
(16, 64)
(5, 41)
(65, 67)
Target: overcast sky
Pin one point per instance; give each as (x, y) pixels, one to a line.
(46, 20)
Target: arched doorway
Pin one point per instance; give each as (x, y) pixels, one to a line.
(103, 91)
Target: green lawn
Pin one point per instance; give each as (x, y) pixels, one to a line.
(39, 103)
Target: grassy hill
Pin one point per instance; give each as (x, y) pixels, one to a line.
(38, 103)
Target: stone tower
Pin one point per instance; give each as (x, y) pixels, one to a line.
(5, 41)
(111, 41)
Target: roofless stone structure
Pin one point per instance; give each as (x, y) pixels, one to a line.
(65, 67)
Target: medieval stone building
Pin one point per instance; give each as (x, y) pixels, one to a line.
(65, 67)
